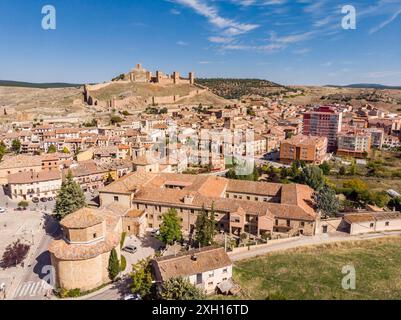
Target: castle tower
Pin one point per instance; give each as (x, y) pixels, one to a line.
(176, 77)
(191, 78)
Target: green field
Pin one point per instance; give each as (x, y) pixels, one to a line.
(316, 272)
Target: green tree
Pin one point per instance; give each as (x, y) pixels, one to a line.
(327, 202)
(325, 167)
(16, 146)
(70, 198)
(205, 227)
(114, 265)
(65, 150)
(109, 179)
(170, 229)
(395, 204)
(141, 278)
(115, 119)
(23, 205)
(313, 177)
(52, 149)
(181, 289)
(3, 150)
(342, 171)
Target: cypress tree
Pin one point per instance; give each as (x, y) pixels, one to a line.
(114, 265)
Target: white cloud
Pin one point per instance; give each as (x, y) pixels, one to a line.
(229, 26)
(385, 23)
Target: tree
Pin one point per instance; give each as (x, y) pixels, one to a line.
(114, 265)
(14, 254)
(3, 150)
(115, 119)
(16, 146)
(327, 202)
(66, 150)
(70, 198)
(181, 289)
(141, 278)
(52, 149)
(109, 179)
(170, 229)
(342, 171)
(395, 204)
(23, 205)
(313, 177)
(205, 227)
(325, 167)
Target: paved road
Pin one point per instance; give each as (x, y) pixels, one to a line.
(307, 241)
(31, 286)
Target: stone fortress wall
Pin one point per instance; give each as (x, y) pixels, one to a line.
(141, 75)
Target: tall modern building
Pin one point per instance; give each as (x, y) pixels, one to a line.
(324, 121)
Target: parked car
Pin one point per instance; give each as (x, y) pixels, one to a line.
(155, 233)
(43, 199)
(2, 210)
(50, 199)
(35, 200)
(130, 249)
(135, 297)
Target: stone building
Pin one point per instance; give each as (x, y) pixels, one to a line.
(240, 206)
(81, 257)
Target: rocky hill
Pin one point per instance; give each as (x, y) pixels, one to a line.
(237, 88)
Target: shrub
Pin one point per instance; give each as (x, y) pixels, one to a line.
(123, 236)
(123, 264)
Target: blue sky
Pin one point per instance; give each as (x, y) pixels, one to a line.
(286, 41)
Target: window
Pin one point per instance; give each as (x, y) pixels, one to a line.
(94, 236)
(225, 270)
(372, 225)
(288, 223)
(276, 222)
(387, 223)
(302, 224)
(211, 274)
(116, 199)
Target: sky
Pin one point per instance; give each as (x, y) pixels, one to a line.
(286, 41)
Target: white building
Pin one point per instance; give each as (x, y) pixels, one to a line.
(205, 268)
(28, 185)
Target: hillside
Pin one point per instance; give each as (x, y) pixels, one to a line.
(125, 90)
(19, 84)
(237, 88)
(386, 99)
(367, 86)
(315, 273)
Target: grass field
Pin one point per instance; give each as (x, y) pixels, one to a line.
(316, 272)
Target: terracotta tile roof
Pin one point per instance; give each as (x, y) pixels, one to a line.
(207, 259)
(20, 161)
(32, 177)
(82, 219)
(371, 217)
(75, 252)
(257, 188)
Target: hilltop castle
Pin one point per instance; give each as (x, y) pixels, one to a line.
(139, 74)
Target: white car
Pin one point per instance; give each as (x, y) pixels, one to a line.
(135, 297)
(2, 210)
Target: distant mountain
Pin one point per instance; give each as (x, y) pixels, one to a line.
(366, 86)
(7, 83)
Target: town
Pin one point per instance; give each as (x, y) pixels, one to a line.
(177, 192)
